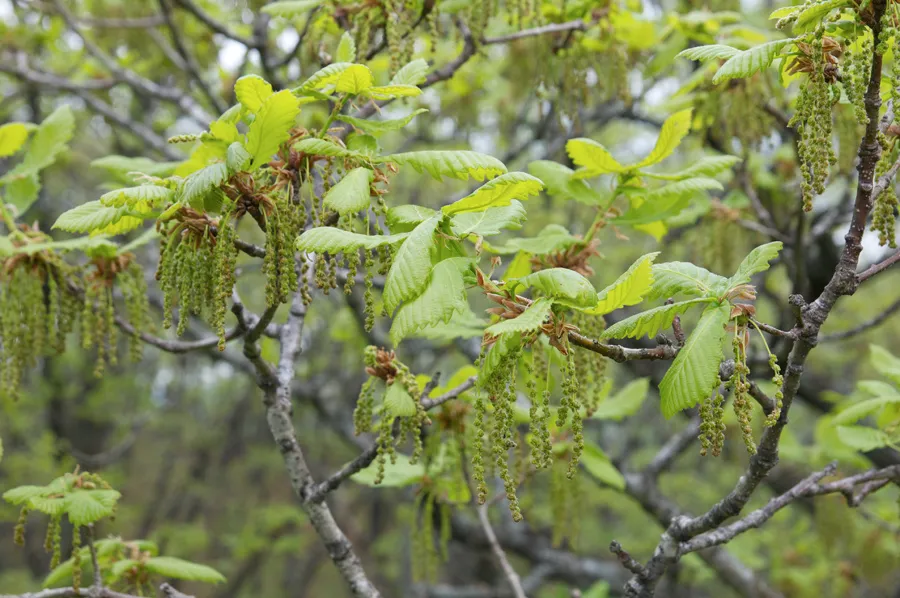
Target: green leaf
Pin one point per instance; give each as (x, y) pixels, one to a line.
(412, 73)
(323, 147)
(598, 590)
(673, 131)
(398, 402)
(674, 278)
(814, 13)
(355, 79)
(695, 370)
(711, 52)
(324, 76)
(593, 158)
(290, 8)
(558, 181)
(198, 184)
(48, 141)
(272, 126)
(142, 197)
(328, 239)
(443, 297)
(552, 237)
(461, 164)
(378, 127)
(497, 192)
(628, 289)
(12, 138)
(252, 91)
(624, 403)
(885, 363)
(123, 165)
(598, 465)
(666, 201)
(530, 319)
(751, 61)
(650, 322)
(490, 221)
(22, 190)
(23, 494)
(707, 166)
(411, 265)
(172, 567)
(88, 506)
(756, 261)
(62, 575)
(90, 217)
(502, 346)
(519, 266)
(346, 50)
(861, 409)
(401, 473)
(351, 194)
(389, 92)
(237, 158)
(563, 285)
(406, 217)
(862, 438)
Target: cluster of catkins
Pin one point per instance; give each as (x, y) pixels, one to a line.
(883, 214)
(427, 552)
(402, 418)
(737, 110)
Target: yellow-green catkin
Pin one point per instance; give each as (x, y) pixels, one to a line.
(225, 258)
(884, 212)
(539, 413)
(76, 558)
(740, 384)
(712, 424)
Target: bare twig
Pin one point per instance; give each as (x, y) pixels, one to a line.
(884, 315)
(879, 267)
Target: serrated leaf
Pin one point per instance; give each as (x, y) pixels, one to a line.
(628, 289)
(398, 474)
(598, 465)
(355, 79)
(666, 201)
(675, 278)
(411, 265)
(815, 12)
(89, 217)
(389, 92)
(12, 138)
(289, 8)
(750, 61)
(172, 567)
(885, 363)
(461, 164)
(497, 192)
(198, 184)
(123, 165)
(695, 370)
(564, 286)
(88, 506)
(443, 297)
(624, 403)
(351, 194)
(412, 73)
(237, 158)
(406, 217)
(707, 166)
(530, 319)
(62, 575)
(143, 197)
(328, 239)
(88, 245)
(502, 346)
(756, 261)
(861, 409)
(22, 190)
(558, 181)
(377, 127)
(48, 141)
(519, 266)
(490, 221)
(710, 52)
(593, 158)
(22, 494)
(398, 402)
(271, 127)
(670, 135)
(252, 91)
(54, 506)
(650, 322)
(323, 147)
(346, 50)
(552, 237)
(324, 76)
(862, 438)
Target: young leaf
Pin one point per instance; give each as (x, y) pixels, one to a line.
(503, 345)
(351, 194)
(565, 286)
(598, 465)
(673, 131)
(346, 50)
(497, 192)
(530, 319)
(650, 322)
(861, 409)
(862, 438)
(744, 64)
(271, 127)
(695, 371)
(48, 141)
(168, 566)
(323, 77)
(289, 8)
(251, 91)
(88, 506)
(378, 127)
(674, 278)
(89, 217)
(406, 217)
(628, 289)
(488, 222)
(355, 79)
(198, 184)
(398, 402)
(593, 158)
(123, 165)
(444, 297)
(885, 363)
(707, 166)
(398, 474)
(552, 237)
(711, 52)
(148, 196)
(756, 261)
(412, 73)
(558, 180)
(12, 138)
(666, 201)
(237, 158)
(389, 92)
(460, 164)
(411, 265)
(625, 402)
(328, 239)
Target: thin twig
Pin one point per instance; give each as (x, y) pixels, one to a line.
(514, 581)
